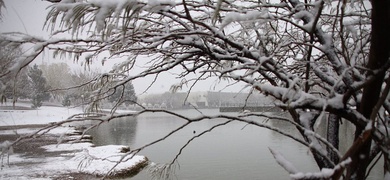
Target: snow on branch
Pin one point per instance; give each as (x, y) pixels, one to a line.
(310, 57)
(325, 173)
(282, 161)
(256, 16)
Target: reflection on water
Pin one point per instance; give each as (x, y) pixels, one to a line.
(119, 132)
(234, 151)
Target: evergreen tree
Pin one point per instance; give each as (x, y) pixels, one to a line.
(124, 94)
(19, 87)
(38, 87)
(66, 101)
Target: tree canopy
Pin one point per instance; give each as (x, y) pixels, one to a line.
(124, 95)
(315, 58)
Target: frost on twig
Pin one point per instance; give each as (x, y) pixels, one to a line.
(163, 171)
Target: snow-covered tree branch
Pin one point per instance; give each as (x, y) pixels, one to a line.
(319, 60)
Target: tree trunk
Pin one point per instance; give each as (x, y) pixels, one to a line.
(379, 55)
(332, 136)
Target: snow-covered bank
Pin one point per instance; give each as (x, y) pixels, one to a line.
(43, 115)
(68, 158)
(97, 160)
(72, 158)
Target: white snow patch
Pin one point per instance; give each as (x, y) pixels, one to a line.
(305, 118)
(84, 157)
(324, 174)
(159, 5)
(79, 162)
(96, 160)
(305, 14)
(336, 101)
(263, 16)
(368, 126)
(43, 115)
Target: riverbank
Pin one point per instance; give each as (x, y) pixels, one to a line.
(45, 157)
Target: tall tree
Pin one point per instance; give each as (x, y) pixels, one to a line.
(313, 58)
(16, 87)
(124, 94)
(38, 86)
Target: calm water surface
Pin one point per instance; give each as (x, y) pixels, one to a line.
(234, 151)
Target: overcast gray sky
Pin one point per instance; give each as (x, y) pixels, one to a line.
(28, 16)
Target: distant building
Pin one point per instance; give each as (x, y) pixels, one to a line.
(204, 99)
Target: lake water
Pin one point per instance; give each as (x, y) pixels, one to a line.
(234, 151)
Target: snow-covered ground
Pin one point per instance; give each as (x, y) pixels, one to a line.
(72, 157)
(44, 115)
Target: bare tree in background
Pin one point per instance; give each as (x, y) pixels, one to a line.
(16, 88)
(315, 58)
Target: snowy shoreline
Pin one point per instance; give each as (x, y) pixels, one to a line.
(72, 155)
